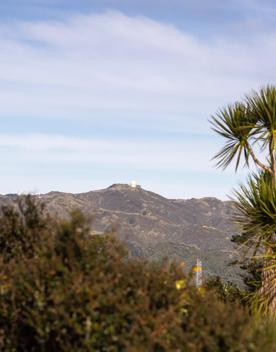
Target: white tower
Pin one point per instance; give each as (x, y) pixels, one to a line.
(198, 273)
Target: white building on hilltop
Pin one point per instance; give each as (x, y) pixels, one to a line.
(133, 184)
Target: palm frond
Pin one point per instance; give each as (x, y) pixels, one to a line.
(256, 205)
(263, 108)
(237, 127)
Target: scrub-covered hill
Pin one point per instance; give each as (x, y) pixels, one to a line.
(154, 227)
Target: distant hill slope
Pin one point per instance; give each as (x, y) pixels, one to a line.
(154, 227)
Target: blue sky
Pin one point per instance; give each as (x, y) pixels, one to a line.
(105, 91)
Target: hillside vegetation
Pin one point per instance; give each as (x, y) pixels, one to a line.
(153, 227)
(64, 289)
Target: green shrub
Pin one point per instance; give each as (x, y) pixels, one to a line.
(226, 290)
(80, 293)
(24, 228)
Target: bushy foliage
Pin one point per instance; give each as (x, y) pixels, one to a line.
(226, 291)
(24, 227)
(73, 291)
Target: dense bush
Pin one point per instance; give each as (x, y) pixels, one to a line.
(24, 227)
(68, 290)
(226, 291)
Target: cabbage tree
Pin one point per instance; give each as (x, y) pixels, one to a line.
(249, 130)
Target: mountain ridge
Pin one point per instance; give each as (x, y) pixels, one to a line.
(154, 227)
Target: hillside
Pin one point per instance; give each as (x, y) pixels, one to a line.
(154, 227)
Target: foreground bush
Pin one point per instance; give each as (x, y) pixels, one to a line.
(77, 292)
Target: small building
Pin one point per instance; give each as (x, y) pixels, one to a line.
(133, 184)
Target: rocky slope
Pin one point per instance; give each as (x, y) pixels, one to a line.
(154, 227)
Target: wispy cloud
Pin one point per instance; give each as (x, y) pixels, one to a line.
(112, 62)
(143, 154)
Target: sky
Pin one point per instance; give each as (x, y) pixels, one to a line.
(96, 92)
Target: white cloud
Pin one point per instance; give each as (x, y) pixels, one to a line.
(142, 154)
(118, 63)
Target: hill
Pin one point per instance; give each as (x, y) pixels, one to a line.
(154, 227)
